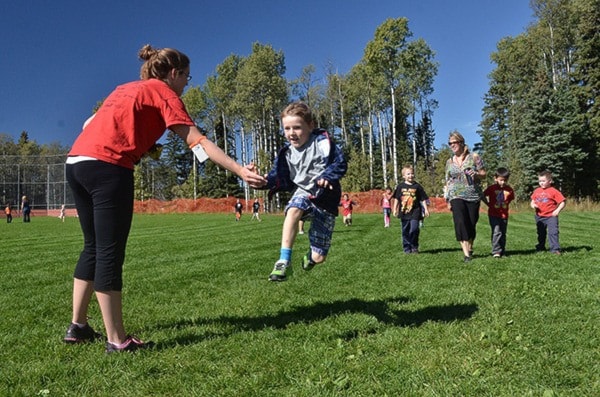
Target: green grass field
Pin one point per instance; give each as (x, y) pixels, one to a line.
(372, 321)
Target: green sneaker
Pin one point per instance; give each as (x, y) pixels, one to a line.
(279, 271)
(307, 262)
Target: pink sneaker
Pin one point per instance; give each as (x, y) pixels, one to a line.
(131, 344)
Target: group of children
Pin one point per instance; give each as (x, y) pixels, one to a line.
(25, 210)
(311, 167)
(238, 209)
(546, 200)
(409, 203)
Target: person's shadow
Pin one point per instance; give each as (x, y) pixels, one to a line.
(380, 309)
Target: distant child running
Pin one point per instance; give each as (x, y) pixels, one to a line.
(547, 202)
(300, 226)
(497, 197)
(238, 207)
(311, 166)
(386, 204)
(61, 216)
(410, 205)
(347, 208)
(8, 212)
(256, 210)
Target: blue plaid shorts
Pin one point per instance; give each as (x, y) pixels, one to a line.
(321, 223)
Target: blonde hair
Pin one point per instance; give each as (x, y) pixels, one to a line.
(458, 137)
(406, 168)
(299, 109)
(158, 62)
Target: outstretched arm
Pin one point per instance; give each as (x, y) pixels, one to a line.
(192, 136)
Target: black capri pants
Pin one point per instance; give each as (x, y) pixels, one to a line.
(103, 196)
(465, 215)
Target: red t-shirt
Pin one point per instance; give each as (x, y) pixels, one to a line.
(347, 206)
(547, 200)
(131, 119)
(498, 200)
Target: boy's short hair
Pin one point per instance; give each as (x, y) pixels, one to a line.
(502, 173)
(299, 109)
(545, 173)
(407, 167)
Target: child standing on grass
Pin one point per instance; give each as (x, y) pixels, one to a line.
(547, 202)
(311, 165)
(25, 209)
(8, 212)
(386, 204)
(410, 205)
(256, 210)
(238, 207)
(497, 197)
(347, 208)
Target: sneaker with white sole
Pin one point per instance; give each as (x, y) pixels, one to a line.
(279, 271)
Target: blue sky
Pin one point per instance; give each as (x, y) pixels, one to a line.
(60, 57)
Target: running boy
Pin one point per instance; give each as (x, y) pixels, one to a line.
(410, 205)
(238, 207)
(497, 197)
(62, 213)
(311, 166)
(347, 208)
(547, 202)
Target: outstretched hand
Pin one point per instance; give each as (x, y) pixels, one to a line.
(250, 175)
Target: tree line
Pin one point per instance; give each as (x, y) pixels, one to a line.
(542, 109)
(540, 112)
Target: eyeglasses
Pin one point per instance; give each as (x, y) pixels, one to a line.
(454, 143)
(187, 76)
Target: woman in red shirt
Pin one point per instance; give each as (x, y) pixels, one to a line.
(100, 173)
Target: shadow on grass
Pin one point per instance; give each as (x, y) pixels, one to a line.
(380, 309)
(523, 252)
(563, 249)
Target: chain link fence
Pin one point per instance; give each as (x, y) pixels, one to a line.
(41, 178)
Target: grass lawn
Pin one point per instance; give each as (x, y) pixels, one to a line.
(371, 321)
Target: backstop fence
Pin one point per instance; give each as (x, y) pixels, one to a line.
(41, 178)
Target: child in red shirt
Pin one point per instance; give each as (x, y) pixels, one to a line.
(547, 202)
(497, 197)
(347, 207)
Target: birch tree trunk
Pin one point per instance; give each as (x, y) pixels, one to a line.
(394, 149)
(383, 148)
